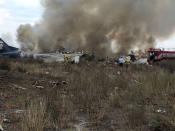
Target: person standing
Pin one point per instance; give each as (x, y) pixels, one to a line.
(121, 61)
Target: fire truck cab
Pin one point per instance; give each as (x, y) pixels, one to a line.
(155, 55)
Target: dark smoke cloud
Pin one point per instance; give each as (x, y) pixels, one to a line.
(93, 25)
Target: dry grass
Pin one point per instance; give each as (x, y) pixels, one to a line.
(112, 98)
(35, 118)
(60, 109)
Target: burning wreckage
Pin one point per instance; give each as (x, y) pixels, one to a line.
(6, 50)
(68, 57)
(59, 56)
(12, 52)
(62, 56)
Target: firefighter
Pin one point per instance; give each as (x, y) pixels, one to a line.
(152, 56)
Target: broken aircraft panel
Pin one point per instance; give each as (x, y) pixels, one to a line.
(6, 50)
(58, 57)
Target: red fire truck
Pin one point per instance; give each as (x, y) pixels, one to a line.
(155, 55)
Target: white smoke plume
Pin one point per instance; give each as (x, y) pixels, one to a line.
(93, 24)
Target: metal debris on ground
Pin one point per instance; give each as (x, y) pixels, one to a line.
(39, 84)
(47, 73)
(10, 116)
(160, 111)
(19, 87)
(64, 82)
(6, 121)
(36, 83)
(118, 72)
(54, 83)
(19, 111)
(40, 87)
(138, 82)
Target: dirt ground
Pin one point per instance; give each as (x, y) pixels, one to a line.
(17, 88)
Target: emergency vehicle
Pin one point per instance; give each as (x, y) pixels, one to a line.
(155, 55)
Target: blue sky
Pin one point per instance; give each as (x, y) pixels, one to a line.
(16, 12)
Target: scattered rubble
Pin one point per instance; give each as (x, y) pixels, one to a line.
(118, 72)
(6, 120)
(40, 87)
(141, 61)
(10, 116)
(160, 111)
(138, 82)
(41, 84)
(47, 73)
(64, 82)
(19, 87)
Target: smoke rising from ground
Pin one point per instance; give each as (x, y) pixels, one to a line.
(93, 24)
